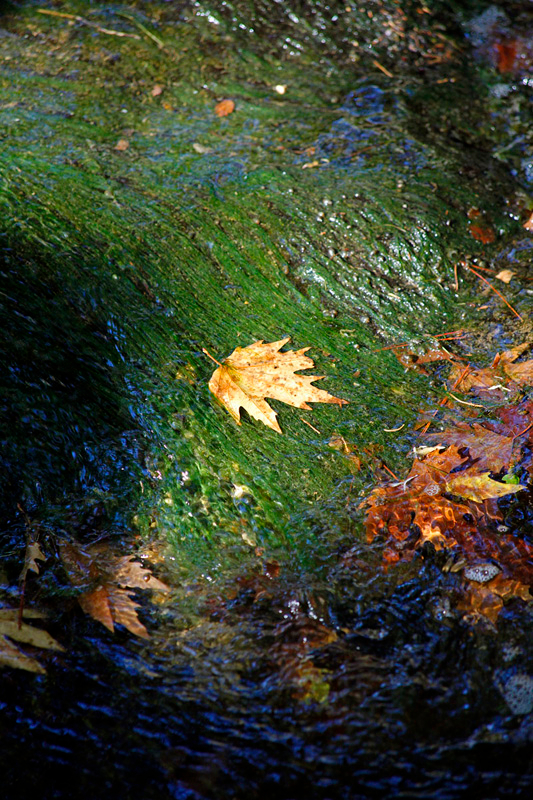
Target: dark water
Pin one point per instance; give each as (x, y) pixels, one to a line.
(279, 666)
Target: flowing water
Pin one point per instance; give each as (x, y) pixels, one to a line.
(138, 227)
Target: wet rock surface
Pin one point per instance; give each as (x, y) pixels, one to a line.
(139, 225)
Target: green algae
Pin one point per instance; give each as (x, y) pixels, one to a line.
(117, 267)
(327, 213)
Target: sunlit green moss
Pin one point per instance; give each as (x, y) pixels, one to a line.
(308, 213)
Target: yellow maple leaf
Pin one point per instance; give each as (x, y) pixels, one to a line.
(252, 373)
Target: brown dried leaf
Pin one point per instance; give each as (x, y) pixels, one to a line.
(508, 356)
(103, 574)
(483, 233)
(412, 360)
(491, 451)
(252, 373)
(487, 600)
(418, 501)
(96, 605)
(131, 573)
(34, 554)
(11, 656)
(475, 379)
(124, 610)
(514, 419)
(122, 145)
(27, 634)
(488, 381)
(520, 373)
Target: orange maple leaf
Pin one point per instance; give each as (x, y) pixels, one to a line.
(252, 373)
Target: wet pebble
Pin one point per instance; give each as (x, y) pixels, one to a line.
(481, 572)
(518, 693)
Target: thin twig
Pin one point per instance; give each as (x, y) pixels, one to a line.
(389, 471)
(463, 374)
(465, 402)
(87, 22)
(500, 295)
(152, 36)
(311, 426)
(382, 68)
(522, 432)
(208, 354)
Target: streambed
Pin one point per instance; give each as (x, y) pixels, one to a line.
(139, 227)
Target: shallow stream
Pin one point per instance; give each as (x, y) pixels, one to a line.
(371, 148)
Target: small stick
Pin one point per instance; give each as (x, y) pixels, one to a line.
(152, 36)
(463, 374)
(87, 22)
(465, 402)
(311, 426)
(500, 295)
(524, 431)
(389, 471)
(382, 68)
(393, 430)
(349, 493)
(208, 354)
(446, 336)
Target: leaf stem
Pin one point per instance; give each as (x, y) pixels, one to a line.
(208, 354)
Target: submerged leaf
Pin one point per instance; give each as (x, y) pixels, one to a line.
(102, 575)
(479, 487)
(491, 451)
(11, 630)
(252, 373)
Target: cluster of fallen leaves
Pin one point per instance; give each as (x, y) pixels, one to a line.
(105, 581)
(450, 496)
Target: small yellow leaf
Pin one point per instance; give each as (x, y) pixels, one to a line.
(122, 145)
(505, 275)
(34, 554)
(479, 487)
(252, 373)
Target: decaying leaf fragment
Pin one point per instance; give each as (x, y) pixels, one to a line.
(106, 580)
(252, 373)
(417, 508)
(224, 108)
(503, 378)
